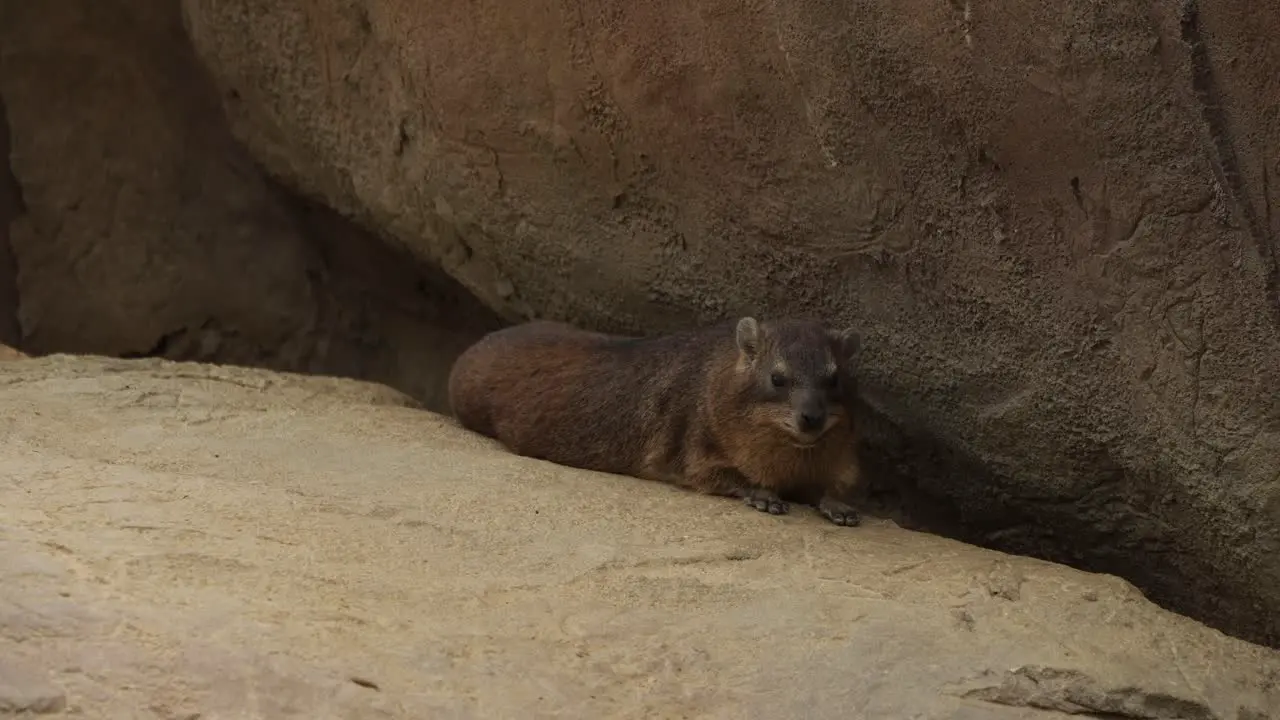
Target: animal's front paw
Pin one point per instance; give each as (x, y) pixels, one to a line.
(766, 501)
(839, 513)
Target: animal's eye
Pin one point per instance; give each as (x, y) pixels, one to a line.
(778, 379)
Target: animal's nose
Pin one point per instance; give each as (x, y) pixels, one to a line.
(812, 420)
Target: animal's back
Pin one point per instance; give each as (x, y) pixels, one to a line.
(497, 369)
(580, 398)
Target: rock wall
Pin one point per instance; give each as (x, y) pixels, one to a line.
(135, 224)
(1051, 222)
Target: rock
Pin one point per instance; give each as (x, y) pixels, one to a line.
(1050, 222)
(24, 690)
(235, 542)
(10, 209)
(139, 226)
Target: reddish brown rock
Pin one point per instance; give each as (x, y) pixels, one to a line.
(139, 226)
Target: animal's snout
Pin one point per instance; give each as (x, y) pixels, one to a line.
(812, 419)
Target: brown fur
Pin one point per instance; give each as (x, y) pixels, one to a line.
(697, 408)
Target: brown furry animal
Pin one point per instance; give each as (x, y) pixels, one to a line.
(750, 409)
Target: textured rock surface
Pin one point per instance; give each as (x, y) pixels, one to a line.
(186, 540)
(25, 690)
(134, 224)
(1053, 223)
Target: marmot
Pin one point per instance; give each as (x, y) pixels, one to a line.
(744, 409)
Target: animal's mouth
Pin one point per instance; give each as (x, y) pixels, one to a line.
(805, 439)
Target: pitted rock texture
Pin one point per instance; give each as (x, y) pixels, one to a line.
(1052, 222)
(182, 540)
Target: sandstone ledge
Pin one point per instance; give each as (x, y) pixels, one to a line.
(182, 539)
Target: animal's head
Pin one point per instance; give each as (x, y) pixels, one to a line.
(799, 374)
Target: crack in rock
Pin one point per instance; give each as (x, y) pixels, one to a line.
(1076, 693)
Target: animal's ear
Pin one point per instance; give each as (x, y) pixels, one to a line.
(748, 336)
(849, 343)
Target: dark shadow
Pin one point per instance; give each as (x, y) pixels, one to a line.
(11, 208)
